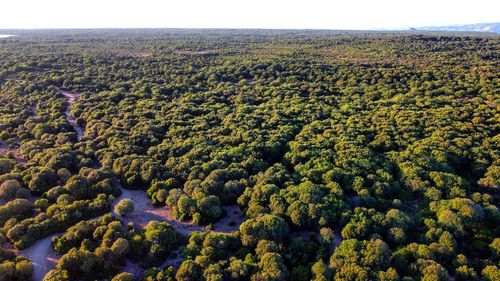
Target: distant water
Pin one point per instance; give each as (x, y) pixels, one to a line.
(5, 35)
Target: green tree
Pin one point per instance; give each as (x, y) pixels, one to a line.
(267, 227)
(124, 207)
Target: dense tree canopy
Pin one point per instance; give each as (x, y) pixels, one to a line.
(352, 156)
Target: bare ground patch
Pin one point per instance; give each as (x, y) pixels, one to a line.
(123, 52)
(71, 98)
(190, 52)
(42, 256)
(231, 222)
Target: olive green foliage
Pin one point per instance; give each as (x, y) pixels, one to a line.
(13, 267)
(98, 249)
(124, 207)
(353, 156)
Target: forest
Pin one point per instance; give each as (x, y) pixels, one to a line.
(259, 155)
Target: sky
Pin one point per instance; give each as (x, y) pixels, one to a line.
(290, 14)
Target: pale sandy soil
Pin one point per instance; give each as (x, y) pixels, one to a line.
(132, 267)
(41, 253)
(71, 98)
(337, 239)
(174, 260)
(231, 222)
(122, 52)
(188, 52)
(145, 212)
(33, 110)
(43, 257)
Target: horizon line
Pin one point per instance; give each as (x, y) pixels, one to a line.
(401, 28)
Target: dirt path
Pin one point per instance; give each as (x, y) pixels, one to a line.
(43, 257)
(33, 110)
(231, 222)
(132, 267)
(337, 239)
(71, 98)
(41, 253)
(145, 212)
(174, 260)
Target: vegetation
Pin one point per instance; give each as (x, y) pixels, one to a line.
(98, 249)
(353, 156)
(124, 207)
(14, 267)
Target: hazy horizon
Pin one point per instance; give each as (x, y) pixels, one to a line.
(314, 14)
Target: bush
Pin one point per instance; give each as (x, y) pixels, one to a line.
(124, 207)
(124, 276)
(8, 189)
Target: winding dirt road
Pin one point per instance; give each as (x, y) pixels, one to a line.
(71, 97)
(42, 256)
(41, 253)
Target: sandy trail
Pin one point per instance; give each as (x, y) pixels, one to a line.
(43, 257)
(132, 267)
(34, 110)
(41, 253)
(71, 98)
(337, 238)
(231, 222)
(174, 260)
(145, 212)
